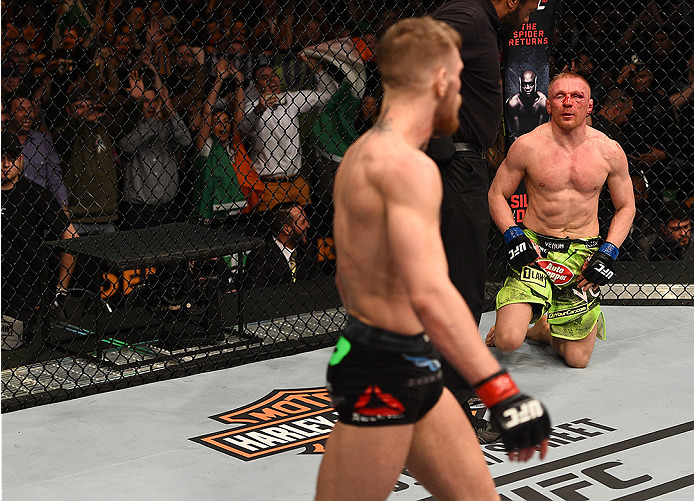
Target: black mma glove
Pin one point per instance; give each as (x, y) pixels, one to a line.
(600, 269)
(523, 420)
(521, 251)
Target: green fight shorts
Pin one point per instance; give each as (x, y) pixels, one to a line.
(549, 286)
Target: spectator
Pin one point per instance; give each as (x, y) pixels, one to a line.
(136, 21)
(214, 34)
(674, 241)
(72, 15)
(271, 120)
(11, 78)
(48, 113)
(186, 82)
(640, 32)
(30, 216)
(112, 66)
(41, 161)
(19, 55)
(285, 38)
(665, 59)
(387, 18)
(156, 46)
(74, 52)
(643, 229)
(292, 72)
(150, 165)
(683, 111)
(287, 256)
(86, 147)
(24, 24)
(239, 55)
(368, 111)
(651, 124)
(597, 30)
(106, 19)
(586, 65)
(226, 182)
(309, 31)
(615, 109)
(194, 117)
(5, 116)
(266, 18)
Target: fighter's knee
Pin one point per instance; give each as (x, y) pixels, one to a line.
(507, 341)
(577, 360)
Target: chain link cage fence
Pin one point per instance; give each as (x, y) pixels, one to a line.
(181, 157)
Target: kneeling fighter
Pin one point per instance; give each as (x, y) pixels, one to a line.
(384, 376)
(558, 262)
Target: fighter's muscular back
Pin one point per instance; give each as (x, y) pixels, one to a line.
(564, 181)
(384, 191)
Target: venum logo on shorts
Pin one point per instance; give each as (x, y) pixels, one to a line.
(374, 405)
(283, 420)
(554, 245)
(557, 272)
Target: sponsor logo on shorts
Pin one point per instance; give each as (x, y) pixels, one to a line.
(533, 276)
(281, 421)
(557, 272)
(421, 381)
(584, 294)
(592, 243)
(568, 313)
(423, 362)
(553, 245)
(375, 405)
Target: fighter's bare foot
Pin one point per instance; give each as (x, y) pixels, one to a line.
(489, 341)
(540, 332)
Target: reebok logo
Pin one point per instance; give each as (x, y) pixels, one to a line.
(374, 405)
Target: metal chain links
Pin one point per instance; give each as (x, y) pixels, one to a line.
(180, 150)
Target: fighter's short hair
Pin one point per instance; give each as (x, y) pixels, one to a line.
(567, 74)
(420, 42)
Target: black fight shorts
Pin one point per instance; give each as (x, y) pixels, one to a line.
(378, 378)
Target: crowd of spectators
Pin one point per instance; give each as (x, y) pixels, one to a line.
(138, 113)
(641, 70)
(135, 113)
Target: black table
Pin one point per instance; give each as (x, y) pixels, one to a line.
(157, 246)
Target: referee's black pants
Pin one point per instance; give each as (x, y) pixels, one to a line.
(465, 226)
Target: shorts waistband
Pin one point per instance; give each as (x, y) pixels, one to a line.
(555, 244)
(358, 331)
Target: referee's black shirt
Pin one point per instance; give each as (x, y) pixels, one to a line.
(479, 25)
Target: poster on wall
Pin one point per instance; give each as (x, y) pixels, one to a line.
(526, 78)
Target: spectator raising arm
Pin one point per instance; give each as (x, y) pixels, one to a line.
(223, 72)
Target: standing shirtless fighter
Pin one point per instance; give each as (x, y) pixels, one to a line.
(384, 376)
(558, 261)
